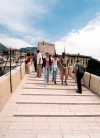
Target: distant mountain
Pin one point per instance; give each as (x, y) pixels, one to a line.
(2, 47)
(28, 50)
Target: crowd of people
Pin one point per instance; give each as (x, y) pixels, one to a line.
(51, 64)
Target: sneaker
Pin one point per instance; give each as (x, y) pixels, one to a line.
(45, 85)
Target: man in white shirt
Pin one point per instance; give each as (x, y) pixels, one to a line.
(39, 63)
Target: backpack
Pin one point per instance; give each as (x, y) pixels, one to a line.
(81, 69)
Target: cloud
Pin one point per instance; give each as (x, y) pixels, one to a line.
(13, 42)
(18, 18)
(16, 14)
(85, 41)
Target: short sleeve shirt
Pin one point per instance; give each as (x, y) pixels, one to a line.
(64, 61)
(75, 66)
(39, 55)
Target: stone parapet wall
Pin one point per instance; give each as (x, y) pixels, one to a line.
(86, 79)
(70, 72)
(5, 90)
(91, 81)
(95, 84)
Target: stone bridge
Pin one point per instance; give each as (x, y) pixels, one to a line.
(54, 111)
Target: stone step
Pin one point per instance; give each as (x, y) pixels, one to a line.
(58, 103)
(48, 99)
(53, 92)
(39, 80)
(58, 76)
(45, 94)
(48, 87)
(34, 77)
(41, 110)
(54, 114)
(38, 83)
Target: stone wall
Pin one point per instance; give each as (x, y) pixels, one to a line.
(5, 91)
(91, 81)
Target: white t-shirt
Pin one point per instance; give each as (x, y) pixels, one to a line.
(54, 63)
(39, 55)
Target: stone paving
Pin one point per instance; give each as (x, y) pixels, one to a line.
(52, 111)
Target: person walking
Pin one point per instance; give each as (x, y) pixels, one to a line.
(46, 65)
(74, 70)
(35, 61)
(54, 68)
(79, 71)
(39, 63)
(28, 63)
(64, 66)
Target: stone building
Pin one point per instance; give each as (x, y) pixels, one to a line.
(46, 47)
(14, 54)
(73, 57)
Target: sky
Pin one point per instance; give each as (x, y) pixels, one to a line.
(73, 25)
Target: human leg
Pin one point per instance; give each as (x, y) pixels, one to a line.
(52, 74)
(79, 76)
(37, 70)
(55, 74)
(40, 66)
(28, 67)
(48, 72)
(45, 75)
(35, 67)
(66, 76)
(61, 74)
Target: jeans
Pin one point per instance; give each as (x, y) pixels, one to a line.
(46, 74)
(54, 75)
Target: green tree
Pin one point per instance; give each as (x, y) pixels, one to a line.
(93, 67)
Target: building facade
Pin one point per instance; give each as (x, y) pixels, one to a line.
(73, 57)
(14, 54)
(46, 47)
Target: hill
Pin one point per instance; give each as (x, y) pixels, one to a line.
(28, 50)
(2, 47)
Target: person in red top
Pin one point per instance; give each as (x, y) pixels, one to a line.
(28, 63)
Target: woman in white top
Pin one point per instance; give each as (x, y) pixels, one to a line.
(54, 68)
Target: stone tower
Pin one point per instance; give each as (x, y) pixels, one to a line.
(46, 47)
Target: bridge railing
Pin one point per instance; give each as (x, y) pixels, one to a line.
(91, 81)
(6, 86)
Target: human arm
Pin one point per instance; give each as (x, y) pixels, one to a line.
(60, 61)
